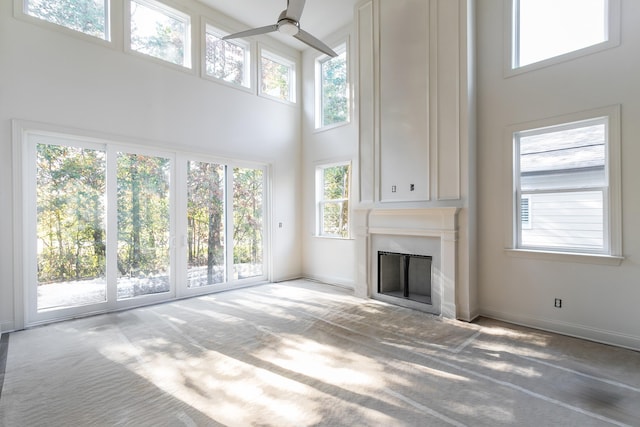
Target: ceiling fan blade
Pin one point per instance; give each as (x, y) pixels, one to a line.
(253, 32)
(307, 38)
(294, 9)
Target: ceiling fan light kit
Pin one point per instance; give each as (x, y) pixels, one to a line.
(289, 24)
(288, 27)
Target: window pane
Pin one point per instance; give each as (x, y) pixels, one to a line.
(571, 220)
(248, 227)
(70, 197)
(335, 217)
(562, 180)
(333, 200)
(276, 78)
(205, 219)
(565, 158)
(160, 31)
(143, 225)
(227, 60)
(335, 182)
(86, 16)
(549, 28)
(334, 89)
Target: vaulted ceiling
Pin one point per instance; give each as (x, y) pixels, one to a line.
(320, 18)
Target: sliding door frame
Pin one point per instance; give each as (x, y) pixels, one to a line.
(25, 220)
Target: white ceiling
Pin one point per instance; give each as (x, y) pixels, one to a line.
(320, 17)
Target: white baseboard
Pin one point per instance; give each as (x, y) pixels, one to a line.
(288, 278)
(565, 328)
(7, 327)
(335, 281)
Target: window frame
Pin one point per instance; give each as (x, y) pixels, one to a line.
(511, 40)
(249, 67)
(276, 56)
(173, 11)
(341, 47)
(320, 201)
(612, 206)
(20, 12)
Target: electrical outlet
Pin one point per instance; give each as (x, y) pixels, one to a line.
(412, 187)
(557, 303)
(393, 188)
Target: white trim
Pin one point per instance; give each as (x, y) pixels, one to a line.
(319, 199)
(189, 61)
(341, 47)
(282, 59)
(565, 328)
(582, 258)
(208, 27)
(19, 12)
(613, 40)
(339, 282)
(613, 209)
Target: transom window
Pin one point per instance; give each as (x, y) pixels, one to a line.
(332, 89)
(332, 195)
(160, 31)
(227, 60)
(90, 17)
(277, 76)
(562, 198)
(545, 29)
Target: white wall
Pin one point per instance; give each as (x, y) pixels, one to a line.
(326, 259)
(599, 302)
(49, 76)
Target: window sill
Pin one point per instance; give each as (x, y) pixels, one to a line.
(318, 236)
(331, 126)
(582, 258)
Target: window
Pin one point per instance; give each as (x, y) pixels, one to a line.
(565, 192)
(206, 258)
(160, 31)
(227, 60)
(70, 223)
(277, 76)
(525, 211)
(545, 29)
(332, 195)
(144, 227)
(248, 222)
(332, 89)
(86, 16)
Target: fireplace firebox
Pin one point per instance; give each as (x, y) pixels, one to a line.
(405, 276)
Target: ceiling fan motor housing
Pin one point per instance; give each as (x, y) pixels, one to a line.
(288, 26)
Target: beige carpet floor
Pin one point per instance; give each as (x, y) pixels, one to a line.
(303, 354)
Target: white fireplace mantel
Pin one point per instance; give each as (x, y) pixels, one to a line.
(440, 223)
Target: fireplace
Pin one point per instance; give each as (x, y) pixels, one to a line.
(429, 232)
(403, 275)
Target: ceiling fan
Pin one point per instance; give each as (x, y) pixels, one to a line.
(288, 23)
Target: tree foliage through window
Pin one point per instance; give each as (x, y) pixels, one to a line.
(333, 200)
(86, 16)
(226, 60)
(159, 33)
(334, 89)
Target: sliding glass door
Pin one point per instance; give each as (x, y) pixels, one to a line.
(248, 223)
(206, 220)
(110, 226)
(70, 226)
(144, 227)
